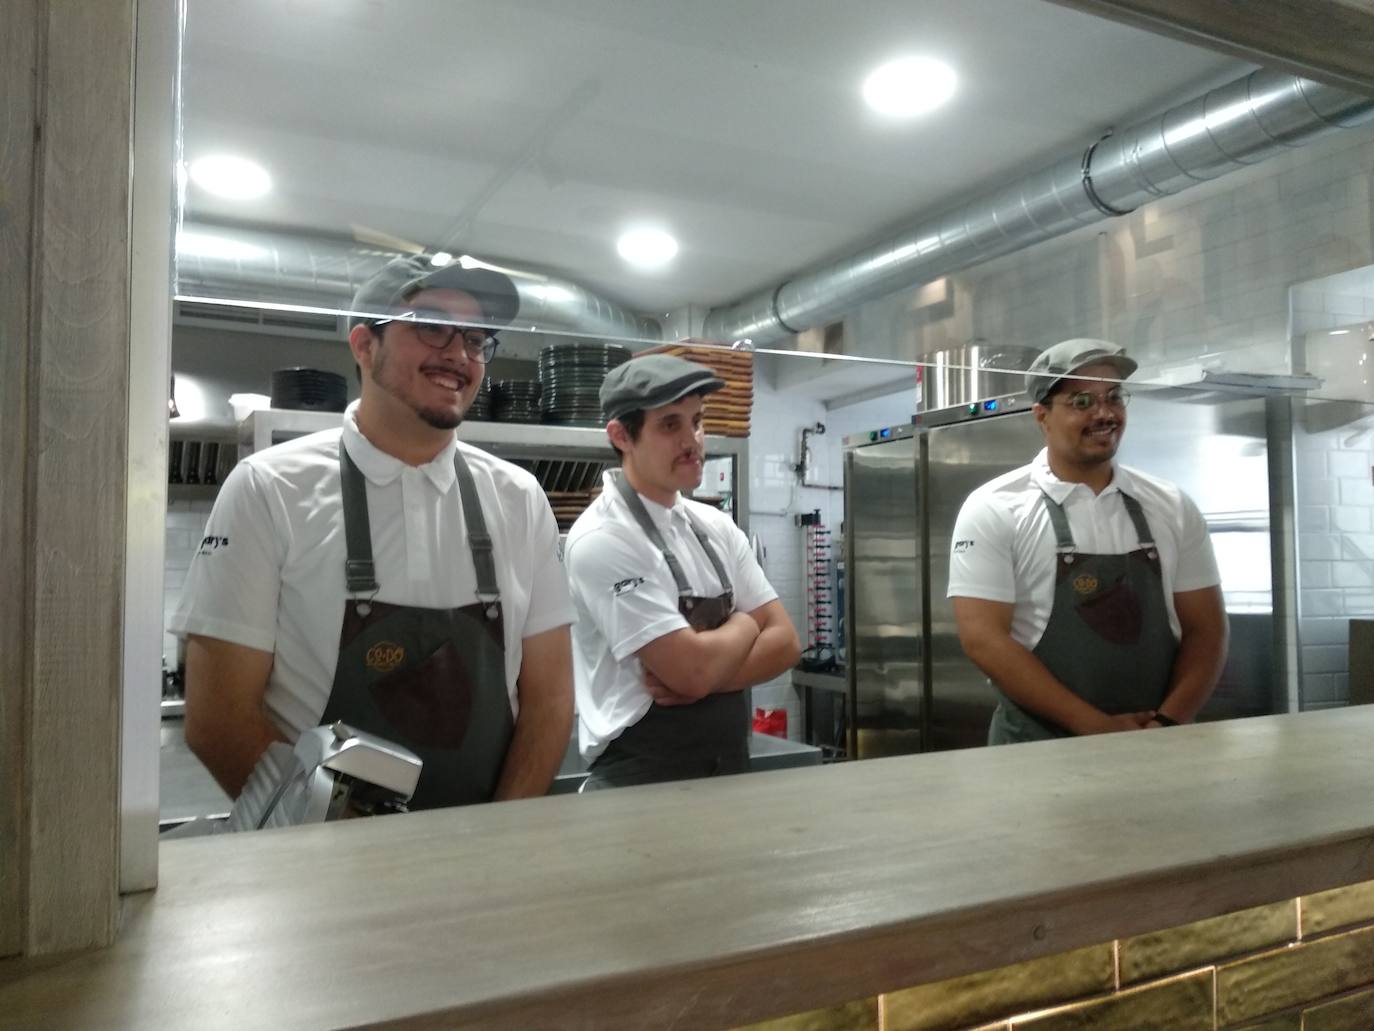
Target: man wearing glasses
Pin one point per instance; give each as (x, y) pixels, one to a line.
(1086, 590)
(385, 574)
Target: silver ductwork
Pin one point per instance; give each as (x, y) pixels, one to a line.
(239, 265)
(1238, 124)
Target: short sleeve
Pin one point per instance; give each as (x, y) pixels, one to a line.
(751, 586)
(613, 583)
(234, 581)
(981, 561)
(1197, 564)
(550, 603)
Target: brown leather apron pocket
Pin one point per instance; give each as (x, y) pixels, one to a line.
(1114, 613)
(429, 703)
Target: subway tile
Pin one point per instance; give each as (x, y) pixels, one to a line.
(1179, 948)
(1313, 518)
(1181, 1004)
(1354, 465)
(861, 1015)
(1315, 574)
(1317, 688)
(1294, 975)
(1355, 491)
(1035, 984)
(1324, 658)
(1340, 907)
(1321, 603)
(1350, 573)
(1352, 1013)
(1324, 631)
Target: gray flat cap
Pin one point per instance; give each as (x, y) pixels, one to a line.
(652, 381)
(384, 295)
(1067, 357)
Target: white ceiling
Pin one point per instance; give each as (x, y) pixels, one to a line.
(534, 131)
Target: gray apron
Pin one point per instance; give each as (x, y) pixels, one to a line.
(679, 742)
(1108, 639)
(433, 680)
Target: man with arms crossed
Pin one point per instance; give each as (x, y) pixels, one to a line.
(675, 619)
(1086, 590)
(386, 575)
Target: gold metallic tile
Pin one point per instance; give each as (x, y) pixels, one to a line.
(1180, 1004)
(1294, 975)
(1148, 956)
(1353, 1013)
(1034, 984)
(1341, 907)
(1290, 1022)
(860, 1015)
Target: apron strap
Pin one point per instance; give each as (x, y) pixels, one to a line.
(360, 573)
(1137, 514)
(641, 515)
(1064, 537)
(479, 540)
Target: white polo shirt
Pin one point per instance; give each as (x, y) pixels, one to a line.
(625, 597)
(1004, 546)
(270, 571)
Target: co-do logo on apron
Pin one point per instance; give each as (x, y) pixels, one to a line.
(1085, 583)
(384, 656)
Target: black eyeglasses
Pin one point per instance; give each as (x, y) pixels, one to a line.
(479, 345)
(1086, 400)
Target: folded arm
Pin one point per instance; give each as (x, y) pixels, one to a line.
(695, 663)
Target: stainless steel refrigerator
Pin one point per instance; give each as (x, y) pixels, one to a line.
(910, 686)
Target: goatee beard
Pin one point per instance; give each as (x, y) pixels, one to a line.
(439, 420)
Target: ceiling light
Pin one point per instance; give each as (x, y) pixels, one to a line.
(909, 86)
(206, 245)
(440, 259)
(230, 177)
(1338, 332)
(647, 248)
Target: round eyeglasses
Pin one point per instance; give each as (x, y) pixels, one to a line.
(1086, 400)
(479, 345)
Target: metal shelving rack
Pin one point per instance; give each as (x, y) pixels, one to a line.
(520, 442)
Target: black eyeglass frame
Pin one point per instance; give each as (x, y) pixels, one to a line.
(439, 335)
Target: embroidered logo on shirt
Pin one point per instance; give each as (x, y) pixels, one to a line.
(962, 546)
(626, 586)
(384, 656)
(1085, 583)
(208, 545)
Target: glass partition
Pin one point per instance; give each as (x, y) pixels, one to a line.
(647, 174)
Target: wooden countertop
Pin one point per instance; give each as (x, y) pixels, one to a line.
(713, 903)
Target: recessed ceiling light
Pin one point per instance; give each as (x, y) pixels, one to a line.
(1339, 332)
(909, 86)
(440, 258)
(647, 248)
(207, 245)
(231, 178)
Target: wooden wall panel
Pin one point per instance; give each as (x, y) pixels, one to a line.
(18, 56)
(79, 455)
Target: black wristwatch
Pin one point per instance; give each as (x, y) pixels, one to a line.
(1167, 721)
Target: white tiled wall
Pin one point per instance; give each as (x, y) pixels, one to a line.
(1335, 522)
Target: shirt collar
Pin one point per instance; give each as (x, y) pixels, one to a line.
(1059, 490)
(381, 468)
(661, 516)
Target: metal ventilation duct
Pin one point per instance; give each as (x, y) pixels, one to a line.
(247, 266)
(1238, 124)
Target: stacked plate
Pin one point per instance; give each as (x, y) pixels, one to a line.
(515, 400)
(481, 404)
(311, 390)
(571, 373)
